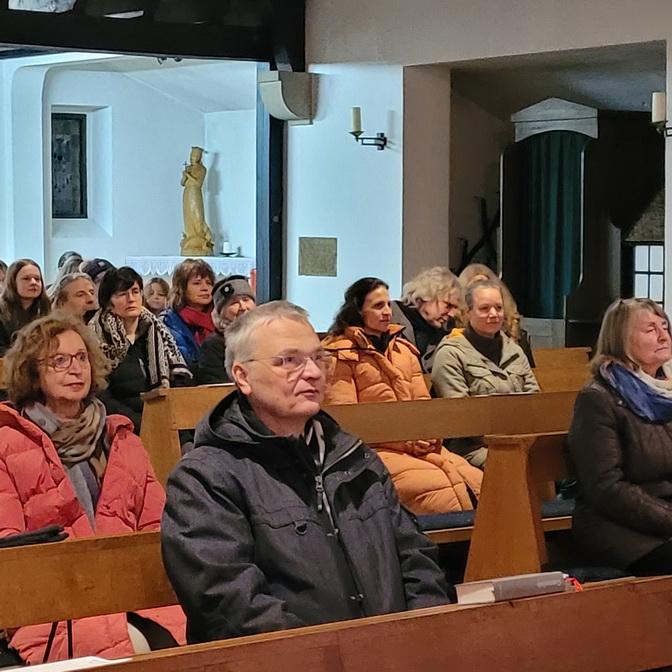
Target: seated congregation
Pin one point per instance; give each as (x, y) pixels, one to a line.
(278, 518)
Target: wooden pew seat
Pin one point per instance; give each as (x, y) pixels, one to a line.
(443, 528)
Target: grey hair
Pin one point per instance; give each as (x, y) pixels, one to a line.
(481, 284)
(57, 291)
(429, 285)
(239, 334)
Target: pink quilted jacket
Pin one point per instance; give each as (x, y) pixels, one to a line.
(35, 491)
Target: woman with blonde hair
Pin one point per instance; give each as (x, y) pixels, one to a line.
(620, 442)
(64, 461)
(427, 309)
(481, 360)
(477, 272)
(75, 294)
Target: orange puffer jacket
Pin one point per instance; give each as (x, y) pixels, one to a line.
(428, 478)
(35, 491)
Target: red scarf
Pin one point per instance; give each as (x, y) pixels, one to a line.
(200, 323)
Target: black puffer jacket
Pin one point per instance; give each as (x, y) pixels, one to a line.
(209, 367)
(248, 549)
(624, 467)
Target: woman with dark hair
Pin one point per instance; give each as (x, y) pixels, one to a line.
(142, 351)
(65, 461)
(22, 300)
(620, 441)
(373, 363)
(190, 315)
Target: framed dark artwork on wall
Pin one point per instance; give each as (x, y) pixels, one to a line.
(68, 166)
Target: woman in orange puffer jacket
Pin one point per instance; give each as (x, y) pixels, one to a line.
(63, 461)
(373, 363)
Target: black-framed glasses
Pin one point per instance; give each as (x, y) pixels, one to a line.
(62, 362)
(296, 361)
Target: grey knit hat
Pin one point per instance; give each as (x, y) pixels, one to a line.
(229, 288)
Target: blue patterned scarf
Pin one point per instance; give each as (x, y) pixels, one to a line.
(645, 396)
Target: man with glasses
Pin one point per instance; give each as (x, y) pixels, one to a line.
(278, 518)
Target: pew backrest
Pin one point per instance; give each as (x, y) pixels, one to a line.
(83, 577)
(554, 358)
(560, 379)
(616, 625)
(168, 411)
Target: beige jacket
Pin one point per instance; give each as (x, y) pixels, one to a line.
(461, 371)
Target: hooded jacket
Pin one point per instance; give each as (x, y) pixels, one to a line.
(462, 371)
(428, 479)
(35, 491)
(256, 537)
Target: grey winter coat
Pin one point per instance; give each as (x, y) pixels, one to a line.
(462, 371)
(249, 548)
(624, 467)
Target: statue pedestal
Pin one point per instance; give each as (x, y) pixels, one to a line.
(163, 267)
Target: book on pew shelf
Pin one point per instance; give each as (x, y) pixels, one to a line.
(85, 663)
(512, 587)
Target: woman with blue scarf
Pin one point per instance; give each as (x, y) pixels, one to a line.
(621, 443)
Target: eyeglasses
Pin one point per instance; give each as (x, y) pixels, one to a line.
(60, 363)
(295, 362)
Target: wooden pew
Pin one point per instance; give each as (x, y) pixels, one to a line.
(82, 577)
(556, 358)
(557, 379)
(167, 411)
(612, 627)
(508, 535)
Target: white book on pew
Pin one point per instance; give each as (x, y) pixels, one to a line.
(512, 587)
(85, 663)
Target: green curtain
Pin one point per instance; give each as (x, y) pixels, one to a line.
(550, 221)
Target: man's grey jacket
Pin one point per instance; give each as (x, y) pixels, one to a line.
(256, 537)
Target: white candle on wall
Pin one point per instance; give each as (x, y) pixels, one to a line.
(658, 107)
(356, 120)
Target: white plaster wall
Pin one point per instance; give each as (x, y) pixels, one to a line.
(335, 187)
(231, 187)
(149, 140)
(478, 140)
(437, 31)
(6, 231)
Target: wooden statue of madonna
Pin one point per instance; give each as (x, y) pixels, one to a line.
(197, 237)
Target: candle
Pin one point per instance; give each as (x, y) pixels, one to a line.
(226, 247)
(658, 107)
(356, 120)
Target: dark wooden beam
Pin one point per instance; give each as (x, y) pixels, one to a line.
(72, 31)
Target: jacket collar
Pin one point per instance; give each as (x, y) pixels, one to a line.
(354, 343)
(510, 354)
(233, 426)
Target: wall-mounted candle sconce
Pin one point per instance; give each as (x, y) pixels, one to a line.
(659, 113)
(379, 140)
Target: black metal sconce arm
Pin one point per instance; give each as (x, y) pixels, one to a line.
(379, 140)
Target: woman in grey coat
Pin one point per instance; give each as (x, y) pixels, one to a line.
(621, 443)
